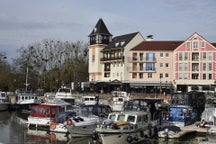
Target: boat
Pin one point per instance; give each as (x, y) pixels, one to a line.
(82, 125)
(125, 128)
(59, 125)
(4, 101)
(170, 132)
(118, 100)
(25, 100)
(42, 115)
(181, 115)
(65, 94)
(90, 100)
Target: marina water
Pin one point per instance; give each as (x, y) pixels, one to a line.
(13, 130)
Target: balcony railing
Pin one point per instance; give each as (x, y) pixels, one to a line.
(103, 59)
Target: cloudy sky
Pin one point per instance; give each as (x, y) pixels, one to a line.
(23, 22)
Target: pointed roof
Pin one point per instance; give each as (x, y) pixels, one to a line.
(100, 28)
(157, 45)
(122, 41)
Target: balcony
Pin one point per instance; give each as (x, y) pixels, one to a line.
(112, 59)
(140, 59)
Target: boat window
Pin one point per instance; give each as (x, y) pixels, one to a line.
(121, 117)
(92, 99)
(139, 119)
(112, 117)
(145, 118)
(131, 119)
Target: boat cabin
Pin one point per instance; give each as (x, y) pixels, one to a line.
(66, 95)
(131, 117)
(90, 100)
(43, 110)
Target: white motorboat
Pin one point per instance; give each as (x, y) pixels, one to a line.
(170, 132)
(125, 128)
(4, 101)
(118, 100)
(26, 99)
(83, 125)
(90, 100)
(65, 94)
(59, 124)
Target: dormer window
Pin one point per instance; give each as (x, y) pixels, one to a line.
(95, 29)
(195, 43)
(117, 44)
(122, 43)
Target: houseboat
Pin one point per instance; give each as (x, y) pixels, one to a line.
(125, 128)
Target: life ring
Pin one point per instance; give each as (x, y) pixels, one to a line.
(69, 122)
(129, 139)
(52, 125)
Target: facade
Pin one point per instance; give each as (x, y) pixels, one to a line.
(131, 63)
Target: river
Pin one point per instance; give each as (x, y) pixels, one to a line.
(13, 130)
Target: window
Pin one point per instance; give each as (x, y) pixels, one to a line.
(185, 56)
(141, 66)
(210, 66)
(195, 43)
(167, 65)
(210, 76)
(204, 56)
(167, 55)
(188, 45)
(180, 76)
(141, 56)
(134, 75)
(195, 76)
(204, 76)
(185, 76)
(202, 43)
(93, 58)
(185, 66)
(141, 75)
(161, 64)
(209, 56)
(149, 75)
(161, 54)
(180, 56)
(166, 75)
(204, 66)
(180, 66)
(150, 56)
(150, 66)
(161, 75)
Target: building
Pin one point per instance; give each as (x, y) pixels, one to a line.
(132, 63)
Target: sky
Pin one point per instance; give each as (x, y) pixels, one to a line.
(24, 22)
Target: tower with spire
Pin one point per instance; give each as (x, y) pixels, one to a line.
(99, 38)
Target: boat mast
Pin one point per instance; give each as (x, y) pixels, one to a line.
(26, 82)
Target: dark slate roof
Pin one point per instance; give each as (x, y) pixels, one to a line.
(157, 45)
(214, 44)
(100, 28)
(122, 41)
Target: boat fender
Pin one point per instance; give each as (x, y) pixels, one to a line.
(129, 139)
(69, 122)
(52, 125)
(136, 138)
